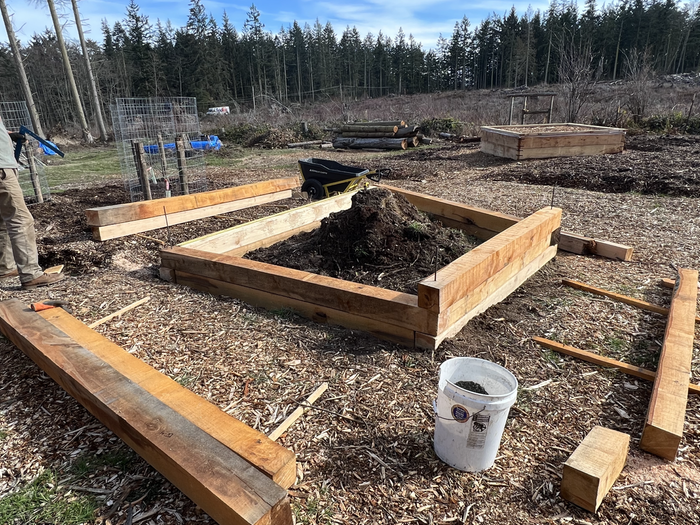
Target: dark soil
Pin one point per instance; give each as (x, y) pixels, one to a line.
(383, 240)
(650, 165)
(471, 386)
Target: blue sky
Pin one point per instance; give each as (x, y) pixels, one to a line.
(424, 19)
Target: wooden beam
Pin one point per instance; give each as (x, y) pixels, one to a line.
(484, 224)
(397, 308)
(113, 231)
(217, 479)
(121, 213)
(580, 245)
(663, 429)
(317, 313)
(644, 305)
(600, 360)
(495, 295)
(484, 261)
(275, 434)
(594, 466)
(276, 462)
(251, 232)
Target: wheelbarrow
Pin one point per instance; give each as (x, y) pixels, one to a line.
(323, 178)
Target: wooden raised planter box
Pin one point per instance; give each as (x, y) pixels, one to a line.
(541, 141)
(446, 301)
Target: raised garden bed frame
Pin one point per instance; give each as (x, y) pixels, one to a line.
(582, 139)
(446, 301)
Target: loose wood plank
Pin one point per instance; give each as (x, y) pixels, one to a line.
(226, 486)
(473, 268)
(644, 305)
(574, 243)
(663, 429)
(594, 466)
(135, 211)
(600, 360)
(113, 231)
(278, 463)
(397, 308)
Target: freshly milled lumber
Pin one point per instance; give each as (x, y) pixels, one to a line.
(217, 479)
(663, 429)
(666, 283)
(276, 462)
(484, 224)
(596, 359)
(133, 211)
(594, 466)
(644, 305)
(111, 222)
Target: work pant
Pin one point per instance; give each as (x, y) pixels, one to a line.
(17, 235)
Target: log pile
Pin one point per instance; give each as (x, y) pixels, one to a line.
(379, 135)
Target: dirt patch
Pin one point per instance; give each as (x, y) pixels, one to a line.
(666, 165)
(383, 240)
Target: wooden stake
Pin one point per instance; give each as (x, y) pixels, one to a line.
(297, 413)
(33, 174)
(596, 359)
(670, 283)
(119, 312)
(182, 165)
(619, 297)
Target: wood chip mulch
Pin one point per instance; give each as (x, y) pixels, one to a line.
(365, 451)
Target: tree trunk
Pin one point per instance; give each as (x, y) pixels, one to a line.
(33, 114)
(87, 136)
(379, 143)
(93, 86)
(368, 134)
(369, 127)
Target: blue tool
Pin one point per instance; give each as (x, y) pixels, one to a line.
(25, 131)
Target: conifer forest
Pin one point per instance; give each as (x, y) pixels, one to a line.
(246, 62)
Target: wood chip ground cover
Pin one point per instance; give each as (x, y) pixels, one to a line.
(365, 452)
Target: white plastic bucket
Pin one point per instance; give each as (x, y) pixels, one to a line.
(469, 426)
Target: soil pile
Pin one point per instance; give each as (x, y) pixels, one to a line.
(382, 240)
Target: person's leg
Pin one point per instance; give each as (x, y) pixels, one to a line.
(8, 268)
(19, 225)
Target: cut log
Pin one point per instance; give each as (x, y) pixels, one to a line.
(398, 123)
(447, 136)
(412, 142)
(305, 144)
(369, 128)
(407, 131)
(217, 479)
(594, 466)
(379, 143)
(590, 357)
(426, 140)
(368, 135)
(663, 429)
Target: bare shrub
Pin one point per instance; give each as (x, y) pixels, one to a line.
(638, 72)
(577, 77)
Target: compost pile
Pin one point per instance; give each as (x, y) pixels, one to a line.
(382, 240)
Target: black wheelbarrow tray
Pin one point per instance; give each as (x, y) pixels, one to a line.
(323, 178)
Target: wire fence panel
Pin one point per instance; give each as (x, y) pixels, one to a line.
(146, 131)
(32, 170)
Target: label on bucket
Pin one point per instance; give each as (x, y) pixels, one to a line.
(460, 414)
(477, 434)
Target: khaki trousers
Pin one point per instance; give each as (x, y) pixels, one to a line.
(17, 235)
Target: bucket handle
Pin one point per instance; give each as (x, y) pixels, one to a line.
(452, 418)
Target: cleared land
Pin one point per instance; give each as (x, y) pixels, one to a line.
(375, 464)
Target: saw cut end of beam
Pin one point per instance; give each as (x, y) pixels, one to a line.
(593, 467)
